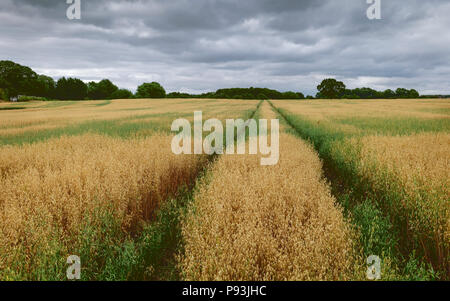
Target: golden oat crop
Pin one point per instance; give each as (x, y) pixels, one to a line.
(396, 152)
(39, 116)
(320, 110)
(252, 222)
(417, 167)
(51, 191)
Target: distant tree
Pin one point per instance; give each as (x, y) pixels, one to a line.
(365, 93)
(150, 90)
(3, 95)
(45, 87)
(101, 90)
(16, 79)
(292, 95)
(389, 94)
(261, 96)
(121, 94)
(405, 93)
(179, 95)
(330, 88)
(413, 94)
(402, 93)
(71, 88)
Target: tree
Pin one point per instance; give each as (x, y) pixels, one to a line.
(71, 88)
(121, 94)
(330, 88)
(292, 95)
(101, 90)
(45, 87)
(150, 90)
(3, 95)
(413, 94)
(389, 94)
(16, 79)
(261, 96)
(402, 93)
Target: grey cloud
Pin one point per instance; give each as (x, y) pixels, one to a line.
(208, 44)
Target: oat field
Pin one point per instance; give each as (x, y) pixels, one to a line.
(98, 179)
(390, 157)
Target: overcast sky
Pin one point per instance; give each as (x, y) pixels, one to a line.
(203, 45)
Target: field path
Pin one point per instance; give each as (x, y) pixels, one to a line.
(253, 222)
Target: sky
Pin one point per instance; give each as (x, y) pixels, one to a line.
(197, 46)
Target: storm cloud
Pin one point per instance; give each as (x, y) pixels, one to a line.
(203, 45)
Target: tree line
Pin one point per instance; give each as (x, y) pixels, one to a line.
(242, 93)
(330, 88)
(16, 80)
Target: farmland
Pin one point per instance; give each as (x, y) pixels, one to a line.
(98, 179)
(388, 158)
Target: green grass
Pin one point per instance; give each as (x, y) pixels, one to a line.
(11, 108)
(104, 103)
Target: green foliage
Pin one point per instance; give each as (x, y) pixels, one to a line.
(28, 98)
(121, 94)
(45, 87)
(292, 95)
(377, 233)
(16, 79)
(4, 94)
(178, 95)
(71, 88)
(330, 88)
(101, 90)
(389, 94)
(252, 93)
(150, 90)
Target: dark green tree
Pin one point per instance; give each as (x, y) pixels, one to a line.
(330, 88)
(402, 93)
(413, 94)
(150, 90)
(71, 88)
(45, 87)
(292, 95)
(101, 90)
(16, 79)
(121, 94)
(389, 94)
